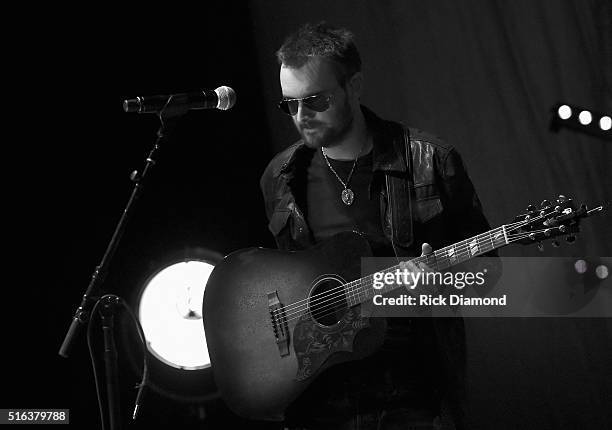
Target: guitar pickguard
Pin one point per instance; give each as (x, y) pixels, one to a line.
(314, 343)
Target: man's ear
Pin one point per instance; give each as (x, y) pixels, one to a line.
(355, 83)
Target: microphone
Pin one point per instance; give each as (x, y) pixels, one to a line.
(223, 98)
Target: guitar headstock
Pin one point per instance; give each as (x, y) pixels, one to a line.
(551, 220)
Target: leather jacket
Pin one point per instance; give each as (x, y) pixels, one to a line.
(425, 192)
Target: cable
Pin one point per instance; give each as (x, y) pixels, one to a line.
(145, 371)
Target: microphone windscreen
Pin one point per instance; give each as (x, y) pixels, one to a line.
(226, 96)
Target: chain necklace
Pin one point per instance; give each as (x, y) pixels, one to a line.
(347, 194)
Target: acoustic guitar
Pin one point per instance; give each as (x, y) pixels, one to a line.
(275, 320)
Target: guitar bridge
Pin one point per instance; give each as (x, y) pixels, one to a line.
(279, 323)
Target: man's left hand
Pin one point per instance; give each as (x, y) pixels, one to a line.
(415, 267)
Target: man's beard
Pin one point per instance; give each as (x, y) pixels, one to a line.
(326, 135)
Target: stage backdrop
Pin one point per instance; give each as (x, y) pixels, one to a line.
(485, 75)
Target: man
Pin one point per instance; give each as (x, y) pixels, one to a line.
(397, 186)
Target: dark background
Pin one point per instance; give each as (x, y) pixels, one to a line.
(484, 75)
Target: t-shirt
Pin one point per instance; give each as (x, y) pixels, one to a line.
(327, 214)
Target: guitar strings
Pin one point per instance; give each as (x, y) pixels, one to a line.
(299, 306)
(332, 301)
(338, 294)
(459, 251)
(339, 297)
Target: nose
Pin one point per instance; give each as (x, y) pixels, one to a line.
(303, 112)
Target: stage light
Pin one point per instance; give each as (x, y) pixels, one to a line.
(170, 311)
(602, 271)
(580, 266)
(169, 308)
(585, 117)
(582, 119)
(564, 112)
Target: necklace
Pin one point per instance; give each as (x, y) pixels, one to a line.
(347, 194)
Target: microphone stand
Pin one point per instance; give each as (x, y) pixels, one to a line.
(109, 304)
(168, 116)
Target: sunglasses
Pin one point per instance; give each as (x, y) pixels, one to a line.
(317, 103)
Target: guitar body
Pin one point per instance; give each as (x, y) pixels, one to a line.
(275, 320)
(267, 338)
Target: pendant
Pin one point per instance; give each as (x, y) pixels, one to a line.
(348, 196)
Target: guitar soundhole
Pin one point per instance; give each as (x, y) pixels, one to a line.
(327, 301)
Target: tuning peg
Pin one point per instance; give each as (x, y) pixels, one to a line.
(540, 247)
(555, 243)
(562, 198)
(531, 208)
(570, 239)
(562, 228)
(547, 232)
(532, 236)
(545, 203)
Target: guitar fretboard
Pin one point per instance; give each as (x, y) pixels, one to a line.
(362, 289)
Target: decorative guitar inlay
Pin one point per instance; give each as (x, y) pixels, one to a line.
(474, 247)
(451, 254)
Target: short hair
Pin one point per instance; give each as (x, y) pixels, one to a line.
(324, 41)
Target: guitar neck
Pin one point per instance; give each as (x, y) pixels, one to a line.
(362, 290)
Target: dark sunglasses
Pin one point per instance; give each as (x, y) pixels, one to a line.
(317, 103)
